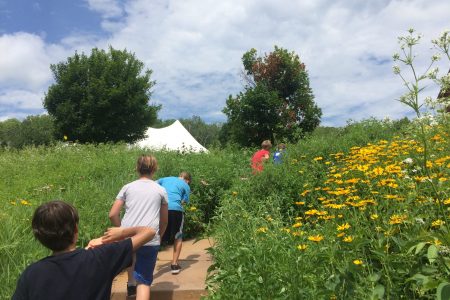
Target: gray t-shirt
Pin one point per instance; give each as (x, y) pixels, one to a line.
(142, 199)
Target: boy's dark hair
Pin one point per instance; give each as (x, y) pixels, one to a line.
(146, 165)
(55, 224)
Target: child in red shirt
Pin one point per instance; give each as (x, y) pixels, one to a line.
(261, 156)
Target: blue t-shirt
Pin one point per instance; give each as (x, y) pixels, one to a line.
(177, 190)
(278, 156)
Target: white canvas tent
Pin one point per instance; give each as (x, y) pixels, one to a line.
(173, 137)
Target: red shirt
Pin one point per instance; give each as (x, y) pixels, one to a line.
(257, 160)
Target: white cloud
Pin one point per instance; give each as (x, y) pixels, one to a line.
(108, 8)
(23, 61)
(195, 49)
(25, 71)
(25, 100)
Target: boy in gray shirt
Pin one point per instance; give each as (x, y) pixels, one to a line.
(145, 204)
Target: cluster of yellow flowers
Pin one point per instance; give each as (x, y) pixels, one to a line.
(367, 180)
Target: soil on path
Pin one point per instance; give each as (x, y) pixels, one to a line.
(189, 284)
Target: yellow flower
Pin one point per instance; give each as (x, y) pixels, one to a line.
(300, 203)
(193, 208)
(296, 225)
(25, 202)
(343, 227)
(318, 158)
(305, 192)
(374, 216)
(348, 239)
(397, 219)
(437, 242)
(437, 223)
(234, 193)
(341, 234)
(302, 247)
(437, 137)
(378, 171)
(65, 137)
(315, 238)
(358, 262)
(262, 230)
(442, 179)
(447, 201)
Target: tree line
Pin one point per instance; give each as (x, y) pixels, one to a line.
(105, 97)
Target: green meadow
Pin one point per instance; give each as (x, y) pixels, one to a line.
(352, 213)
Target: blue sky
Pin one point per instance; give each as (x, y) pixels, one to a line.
(194, 48)
(51, 19)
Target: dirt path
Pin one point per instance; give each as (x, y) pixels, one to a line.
(189, 284)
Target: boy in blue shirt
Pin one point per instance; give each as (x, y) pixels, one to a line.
(178, 191)
(278, 155)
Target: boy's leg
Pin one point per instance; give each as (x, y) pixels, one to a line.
(177, 245)
(131, 283)
(143, 292)
(143, 271)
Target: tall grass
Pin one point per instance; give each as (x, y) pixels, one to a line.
(322, 226)
(90, 177)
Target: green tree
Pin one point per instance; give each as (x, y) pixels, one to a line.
(102, 97)
(34, 130)
(277, 103)
(37, 130)
(206, 134)
(10, 133)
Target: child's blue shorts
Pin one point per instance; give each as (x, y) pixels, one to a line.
(145, 264)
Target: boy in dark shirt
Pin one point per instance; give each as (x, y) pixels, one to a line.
(71, 273)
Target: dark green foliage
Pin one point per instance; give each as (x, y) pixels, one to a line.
(277, 104)
(9, 130)
(33, 131)
(102, 97)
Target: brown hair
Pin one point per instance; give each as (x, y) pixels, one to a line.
(55, 224)
(186, 176)
(146, 165)
(281, 146)
(266, 145)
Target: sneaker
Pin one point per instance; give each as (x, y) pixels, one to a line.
(175, 268)
(131, 290)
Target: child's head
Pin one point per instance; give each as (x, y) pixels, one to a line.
(186, 176)
(55, 225)
(266, 145)
(146, 165)
(281, 146)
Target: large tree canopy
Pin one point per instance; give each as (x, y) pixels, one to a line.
(277, 103)
(103, 97)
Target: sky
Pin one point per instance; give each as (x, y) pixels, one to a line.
(194, 48)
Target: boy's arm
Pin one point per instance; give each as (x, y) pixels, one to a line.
(139, 235)
(114, 213)
(163, 218)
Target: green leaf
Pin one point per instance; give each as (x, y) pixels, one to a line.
(417, 247)
(443, 291)
(374, 277)
(378, 292)
(432, 253)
